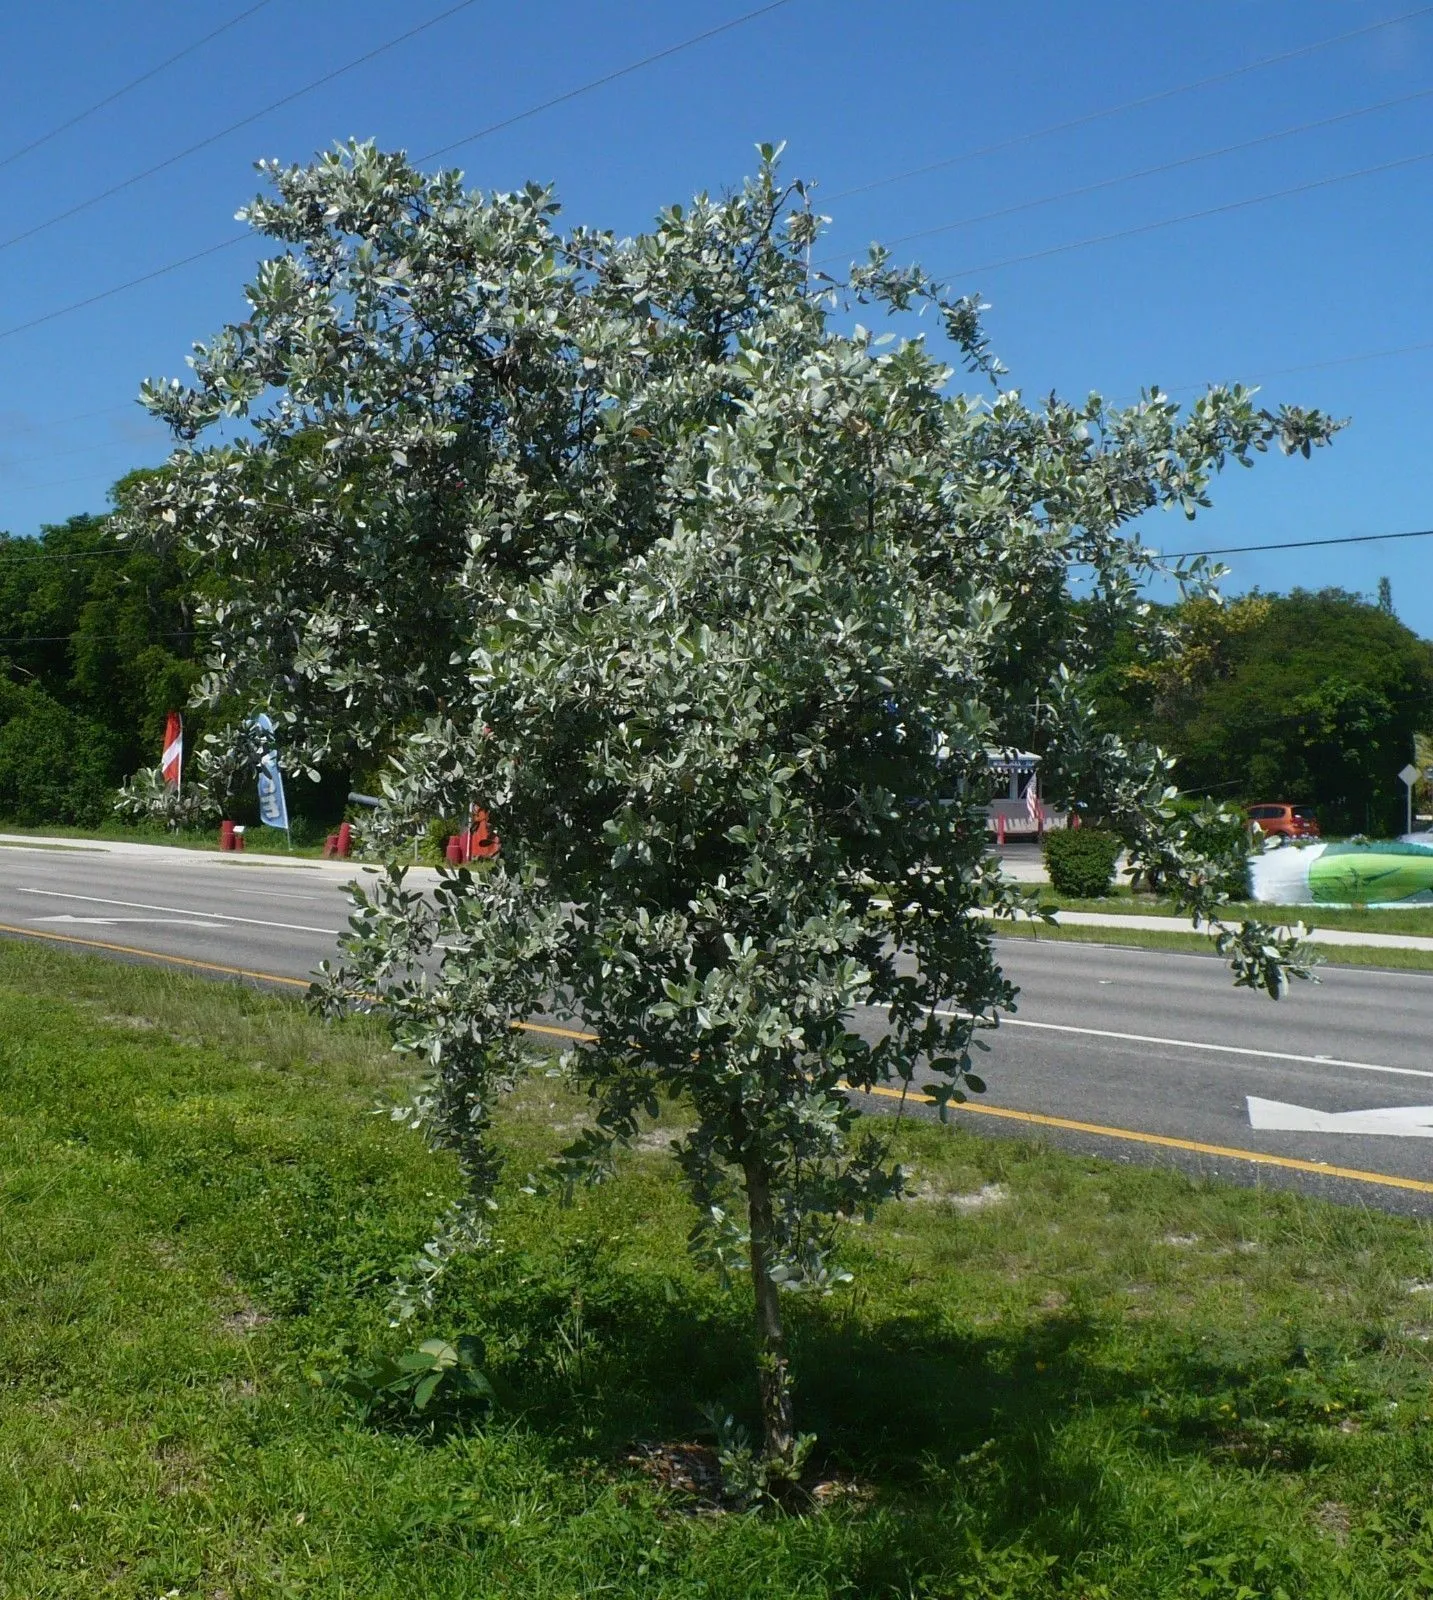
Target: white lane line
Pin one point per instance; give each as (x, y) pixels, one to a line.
(183, 911)
(1195, 1044)
(272, 894)
(149, 922)
(260, 894)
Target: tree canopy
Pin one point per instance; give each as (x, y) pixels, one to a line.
(1311, 697)
(717, 600)
(96, 644)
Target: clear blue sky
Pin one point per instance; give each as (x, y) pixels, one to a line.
(860, 93)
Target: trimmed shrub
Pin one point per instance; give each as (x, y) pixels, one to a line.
(1081, 861)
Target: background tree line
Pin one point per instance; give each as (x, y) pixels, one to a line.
(98, 642)
(1310, 697)
(96, 645)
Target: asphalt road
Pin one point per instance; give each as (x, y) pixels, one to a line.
(1132, 1054)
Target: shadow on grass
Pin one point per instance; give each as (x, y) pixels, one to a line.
(999, 1439)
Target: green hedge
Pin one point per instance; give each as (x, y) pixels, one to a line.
(1081, 861)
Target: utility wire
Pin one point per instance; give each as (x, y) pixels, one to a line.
(120, 288)
(1132, 105)
(1303, 366)
(1300, 544)
(233, 127)
(1189, 216)
(9, 545)
(1105, 183)
(82, 416)
(611, 77)
(111, 445)
(228, 244)
(124, 89)
(105, 638)
(1156, 171)
(1384, 353)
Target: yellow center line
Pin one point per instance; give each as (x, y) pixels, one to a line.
(236, 972)
(560, 1033)
(1168, 1142)
(1032, 1118)
(154, 955)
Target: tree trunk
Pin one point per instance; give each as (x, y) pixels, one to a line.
(773, 1376)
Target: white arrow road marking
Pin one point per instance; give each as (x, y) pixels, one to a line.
(1406, 1122)
(1195, 1044)
(111, 922)
(183, 911)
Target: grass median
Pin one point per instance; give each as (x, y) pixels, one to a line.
(1199, 944)
(1052, 1376)
(1353, 919)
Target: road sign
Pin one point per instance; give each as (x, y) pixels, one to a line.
(1410, 776)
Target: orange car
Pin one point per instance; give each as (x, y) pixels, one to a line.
(1286, 822)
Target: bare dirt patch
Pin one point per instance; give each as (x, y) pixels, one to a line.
(691, 1471)
(1335, 1521)
(244, 1319)
(982, 1199)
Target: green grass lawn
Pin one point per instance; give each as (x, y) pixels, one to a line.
(1053, 1376)
(1358, 919)
(1157, 938)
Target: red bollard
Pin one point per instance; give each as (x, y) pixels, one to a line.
(345, 840)
(226, 835)
(999, 830)
(453, 853)
(238, 837)
(330, 846)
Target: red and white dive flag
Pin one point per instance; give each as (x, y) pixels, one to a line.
(173, 760)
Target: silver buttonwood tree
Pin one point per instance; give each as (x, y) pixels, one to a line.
(717, 600)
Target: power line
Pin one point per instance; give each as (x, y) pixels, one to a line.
(103, 638)
(81, 416)
(1131, 105)
(124, 89)
(1194, 216)
(110, 445)
(1161, 168)
(8, 545)
(120, 288)
(1026, 205)
(233, 127)
(1303, 366)
(49, 483)
(1300, 544)
(228, 244)
(609, 77)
